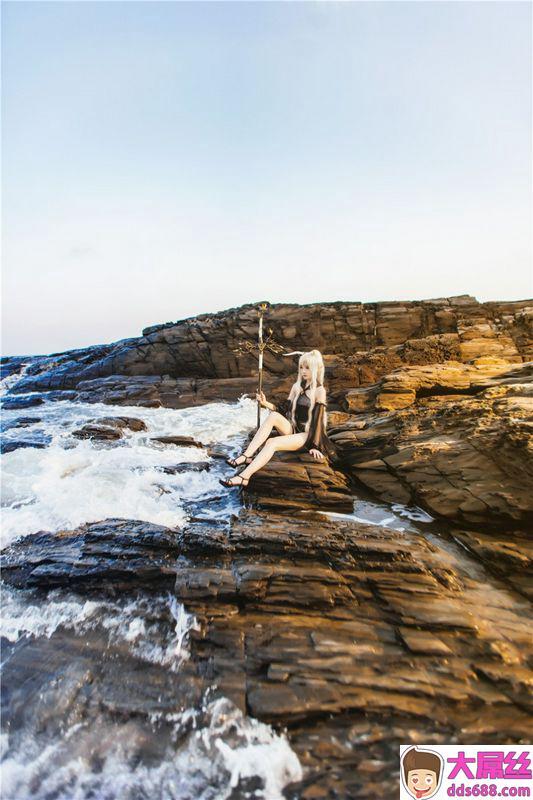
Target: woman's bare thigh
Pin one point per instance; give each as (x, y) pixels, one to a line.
(282, 424)
(291, 442)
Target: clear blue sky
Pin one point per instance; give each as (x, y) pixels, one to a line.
(167, 159)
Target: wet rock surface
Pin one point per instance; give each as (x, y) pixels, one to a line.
(111, 554)
(9, 403)
(428, 400)
(180, 441)
(186, 466)
(19, 422)
(34, 438)
(354, 637)
(109, 428)
(509, 554)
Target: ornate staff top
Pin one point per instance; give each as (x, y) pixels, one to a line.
(245, 346)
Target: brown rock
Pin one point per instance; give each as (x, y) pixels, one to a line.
(292, 480)
(364, 340)
(353, 672)
(468, 460)
(181, 441)
(352, 637)
(108, 427)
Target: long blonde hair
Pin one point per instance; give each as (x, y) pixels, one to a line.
(313, 359)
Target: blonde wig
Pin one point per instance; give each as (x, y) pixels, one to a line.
(313, 360)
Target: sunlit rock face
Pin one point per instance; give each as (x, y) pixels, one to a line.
(455, 439)
(362, 342)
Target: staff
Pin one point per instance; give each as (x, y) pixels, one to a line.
(261, 345)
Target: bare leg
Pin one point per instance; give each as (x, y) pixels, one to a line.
(292, 441)
(274, 420)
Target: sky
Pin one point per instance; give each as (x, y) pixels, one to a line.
(167, 159)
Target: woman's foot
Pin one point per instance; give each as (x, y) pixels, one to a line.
(242, 459)
(237, 480)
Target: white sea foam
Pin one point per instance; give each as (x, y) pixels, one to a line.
(74, 481)
(105, 762)
(104, 759)
(412, 512)
(162, 640)
(8, 382)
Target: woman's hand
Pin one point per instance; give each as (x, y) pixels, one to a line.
(260, 397)
(316, 454)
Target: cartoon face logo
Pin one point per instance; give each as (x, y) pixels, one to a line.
(421, 772)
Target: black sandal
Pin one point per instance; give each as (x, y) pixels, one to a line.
(230, 485)
(233, 461)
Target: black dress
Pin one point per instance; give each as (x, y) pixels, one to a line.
(316, 436)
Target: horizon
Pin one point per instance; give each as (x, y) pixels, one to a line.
(166, 160)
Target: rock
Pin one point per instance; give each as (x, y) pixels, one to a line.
(21, 402)
(12, 365)
(97, 432)
(194, 360)
(291, 480)
(352, 637)
(181, 441)
(466, 459)
(219, 451)
(16, 444)
(424, 643)
(338, 418)
(402, 387)
(132, 423)
(509, 554)
(187, 466)
(118, 553)
(108, 427)
(163, 391)
(98, 667)
(20, 422)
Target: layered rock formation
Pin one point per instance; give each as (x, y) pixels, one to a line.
(368, 339)
(292, 481)
(354, 637)
(467, 457)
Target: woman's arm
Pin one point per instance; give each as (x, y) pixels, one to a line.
(320, 396)
(264, 402)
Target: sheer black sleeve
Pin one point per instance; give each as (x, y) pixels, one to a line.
(317, 424)
(317, 438)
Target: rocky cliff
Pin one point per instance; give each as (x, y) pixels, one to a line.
(430, 401)
(175, 363)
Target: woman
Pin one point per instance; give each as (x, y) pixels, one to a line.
(302, 425)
